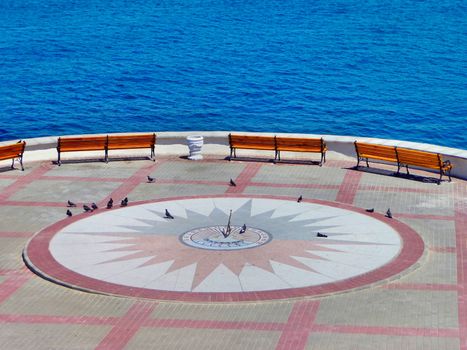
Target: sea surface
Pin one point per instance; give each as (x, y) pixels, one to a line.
(382, 68)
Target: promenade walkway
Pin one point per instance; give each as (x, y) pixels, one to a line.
(142, 281)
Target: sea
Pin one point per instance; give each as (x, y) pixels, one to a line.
(376, 68)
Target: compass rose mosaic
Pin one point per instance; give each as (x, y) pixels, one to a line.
(223, 249)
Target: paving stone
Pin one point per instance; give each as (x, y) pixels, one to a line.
(391, 308)
(294, 192)
(47, 336)
(181, 338)
(336, 341)
(5, 182)
(435, 233)
(147, 191)
(117, 170)
(10, 252)
(62, 190)
(436, 268)
(41, 297)
(299, 174)
(262, 312)
(406, 202)
(28, 219)
(198, 171)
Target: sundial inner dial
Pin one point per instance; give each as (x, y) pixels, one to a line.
(217, 245)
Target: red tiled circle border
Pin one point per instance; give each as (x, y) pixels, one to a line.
(39, 259)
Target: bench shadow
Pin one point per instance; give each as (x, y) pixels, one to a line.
(100, 160)
(250, 159)
(402, 175)
(7, 168)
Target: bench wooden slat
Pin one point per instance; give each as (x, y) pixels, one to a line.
(106, 143)
(277, 144)
(131, 141)
(13, 151)
(378, 152)
(76, 144)
(252, 142)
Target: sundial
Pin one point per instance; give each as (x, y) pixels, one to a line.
(223, 248)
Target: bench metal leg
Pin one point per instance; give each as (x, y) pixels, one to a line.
(13, 163)
(106, 156)
(59, 160)
(153, 154)
(21, 162)
(449, 175)
(231, 152)
(367, 164)
(407, 169)
(323, 157)
(440, 176)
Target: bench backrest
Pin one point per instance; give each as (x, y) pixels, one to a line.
(85, 143)
(378, 151)
(296, 143)
(263, 142)
(131, 141)
(12, 151)
(419, 158)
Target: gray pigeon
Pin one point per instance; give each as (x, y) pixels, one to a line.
(86, 208)
(232, 183)
(110, 203)
(94, 206)
(123, 203)
(370, 210)
(300, 199)
(243, 230)
(71, 204)
(388, 213)
(151, 179)
(322, 235)
(69, 213)
(168, 215)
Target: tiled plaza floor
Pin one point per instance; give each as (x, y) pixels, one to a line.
(424, 306)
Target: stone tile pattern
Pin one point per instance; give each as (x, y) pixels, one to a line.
(425, 308)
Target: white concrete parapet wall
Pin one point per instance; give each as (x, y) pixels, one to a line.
(217, 143)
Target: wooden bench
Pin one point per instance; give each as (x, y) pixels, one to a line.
(277, 144)
(14, 151)
(423, 159)
(366, 151)
(296, 144)
(403, 157)
(105, 143)
(115, 142)
(267, 143)
(78, 144)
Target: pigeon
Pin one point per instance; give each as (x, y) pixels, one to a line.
(69, 213)
(300, 199)
(71, 204)
(19, 141)
(243, 230)
(124, 203)
(322, 235)
(110, 203)
(94, 206)
(389, 214)
(151, 179)
(86, 208)
(168, 215)
(232, 183)
(370, 210)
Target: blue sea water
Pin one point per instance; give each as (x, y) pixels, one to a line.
(382, 68)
